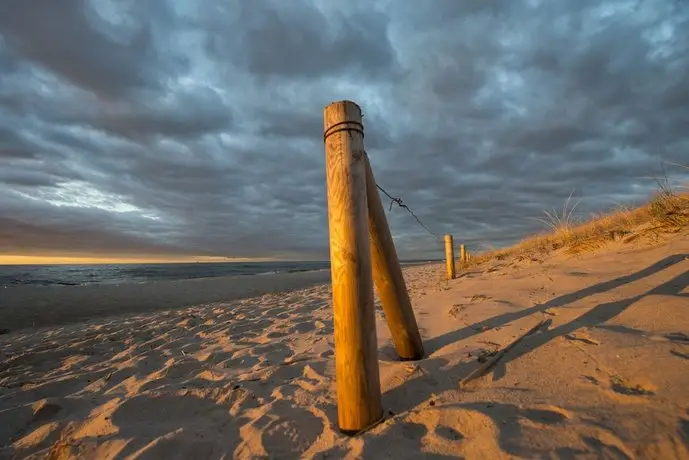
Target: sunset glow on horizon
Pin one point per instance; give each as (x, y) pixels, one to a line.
(78, 260)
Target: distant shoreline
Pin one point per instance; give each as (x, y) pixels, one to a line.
(38, 306)
(12, 276)
(28, 306)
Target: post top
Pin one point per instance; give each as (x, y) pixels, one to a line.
(344, 102)
(342, 116)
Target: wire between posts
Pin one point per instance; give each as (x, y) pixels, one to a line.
(359, 127)
(401, 204)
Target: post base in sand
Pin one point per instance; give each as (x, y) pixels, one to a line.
(363, 430)
(413, 358)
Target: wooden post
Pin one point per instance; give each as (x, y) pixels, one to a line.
(450, 257)
(356, 349)
(388, 278)
(462, 256)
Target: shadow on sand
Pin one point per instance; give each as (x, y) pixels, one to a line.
(438, 376)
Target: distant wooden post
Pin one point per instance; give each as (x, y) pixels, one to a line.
(388, 278)
(450, 257)
(358, 381)
(462, 256)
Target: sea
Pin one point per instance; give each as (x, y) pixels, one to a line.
(76, 275)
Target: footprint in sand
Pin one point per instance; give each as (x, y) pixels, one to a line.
(25, 419)
(276, 334)
(181, 369)
(310, 380)
(457, 309)
(449, 433)
(608, 446)
(240, 362)
(547, 414)
(327, 354)
(288, 431)
(683, 429)
(591, 379)
(679, 354)
(44, 411)
(303, 327)
(635, 387)
(621, 386)
(413, 430)
(272, 352)
(479, 298)
(678, 337)
(581, 337)
(323, 328)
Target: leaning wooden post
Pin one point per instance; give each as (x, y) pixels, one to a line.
(356, 354)
(388, 278)
(449, 257)
(462, 256)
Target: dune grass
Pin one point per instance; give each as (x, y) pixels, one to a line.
(666, 212)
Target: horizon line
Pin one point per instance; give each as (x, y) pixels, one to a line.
(10, 260)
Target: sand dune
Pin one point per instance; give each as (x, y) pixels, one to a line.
(254, 378)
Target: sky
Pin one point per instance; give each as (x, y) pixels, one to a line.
(184, 129)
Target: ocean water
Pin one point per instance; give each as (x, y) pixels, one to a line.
(75, 275)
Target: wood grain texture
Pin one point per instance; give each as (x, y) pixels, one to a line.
(388, 279)
(462, 256)
(450, 257)
(356, 354)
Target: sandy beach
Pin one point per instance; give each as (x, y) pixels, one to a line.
(605, 377)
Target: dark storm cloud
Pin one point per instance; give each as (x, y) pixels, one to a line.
(298, 40)
(185, 128)
(12, 145)
(186, 115)
(65, 39)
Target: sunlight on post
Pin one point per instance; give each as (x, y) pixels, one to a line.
(388, 277)
(450, 257)
(356, 361)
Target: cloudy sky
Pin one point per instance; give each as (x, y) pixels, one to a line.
(188, 128)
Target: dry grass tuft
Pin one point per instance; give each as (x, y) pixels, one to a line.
(563, 223)
(666, 212)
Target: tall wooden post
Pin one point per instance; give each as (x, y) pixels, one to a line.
(388, 278)
(450, 257)
(358, 381)
(462, 256)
